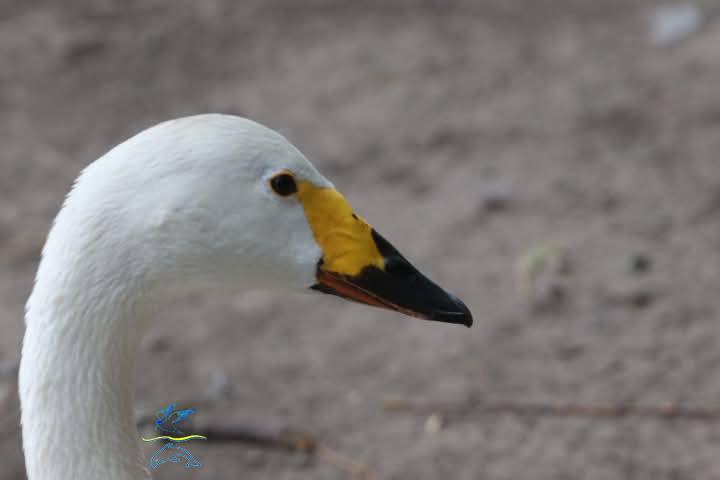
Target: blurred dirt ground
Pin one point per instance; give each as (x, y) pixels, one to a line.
(540, 158)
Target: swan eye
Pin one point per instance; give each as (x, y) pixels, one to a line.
(283, 184)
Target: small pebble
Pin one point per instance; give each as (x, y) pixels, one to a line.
(84, 47)
(609, 202)
(539, 276)
(434, 423)
(157, 344)
(640, 263)
(549, 297)
(494, 197)
(673, 23)
(631, 294)
(219, 388)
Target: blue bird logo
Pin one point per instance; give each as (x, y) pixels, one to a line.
(167, 421)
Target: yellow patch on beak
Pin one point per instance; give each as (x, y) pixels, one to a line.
(345, 239)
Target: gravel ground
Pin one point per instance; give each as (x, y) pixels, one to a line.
(542, 159)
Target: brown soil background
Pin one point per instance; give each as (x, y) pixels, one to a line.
(427, 115)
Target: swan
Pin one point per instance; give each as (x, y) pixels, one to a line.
(202, 201)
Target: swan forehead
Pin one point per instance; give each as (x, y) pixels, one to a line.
(226, 146)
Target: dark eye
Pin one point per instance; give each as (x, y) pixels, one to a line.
(283, 184)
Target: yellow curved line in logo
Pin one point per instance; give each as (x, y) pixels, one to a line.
(175, 439)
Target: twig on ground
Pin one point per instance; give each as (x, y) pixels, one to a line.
(288, 440)
(282, 439)
(665, 412)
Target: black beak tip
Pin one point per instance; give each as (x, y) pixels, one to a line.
(459, 314)
(468, 320)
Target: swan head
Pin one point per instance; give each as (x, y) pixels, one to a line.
(222, 199)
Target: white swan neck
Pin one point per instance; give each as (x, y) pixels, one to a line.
(76, 374)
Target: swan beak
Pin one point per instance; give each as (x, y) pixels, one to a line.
(398, 286)
(360, 265)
